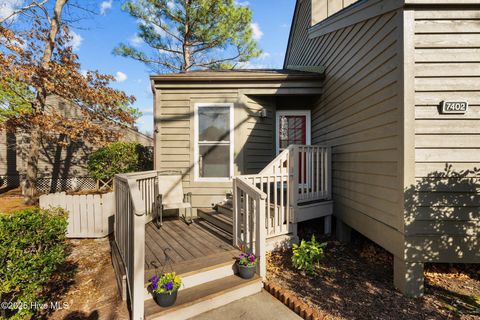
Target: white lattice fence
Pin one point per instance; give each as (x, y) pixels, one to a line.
(49, 185)
(9, 181)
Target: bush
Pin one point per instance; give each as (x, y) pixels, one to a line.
(33, 245)
(307, 253)
(119, 157)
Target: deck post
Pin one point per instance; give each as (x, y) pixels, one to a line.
(293, 167)
(327, 225)
(261, 238)
(138, 268)
(236, 214)
(137, 253)
(342, 231)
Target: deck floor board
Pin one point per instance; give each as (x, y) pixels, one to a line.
(191, 247)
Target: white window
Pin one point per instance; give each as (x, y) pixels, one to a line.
(213, 150)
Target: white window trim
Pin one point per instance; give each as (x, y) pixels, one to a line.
(280, 113)
(196, 148)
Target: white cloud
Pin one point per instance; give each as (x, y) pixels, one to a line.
(171, 5)
(251, 65)
(264, 55)
(136, 40)
(75, 40)
(105, 6)
(285, 25)
(257, 32)
(120, 76)
(7, 7)
(241, 3)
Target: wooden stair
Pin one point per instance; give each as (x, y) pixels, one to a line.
(209, 282)
(204, 297)
(216, 218)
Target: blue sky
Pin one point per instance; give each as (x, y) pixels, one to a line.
(95, 38)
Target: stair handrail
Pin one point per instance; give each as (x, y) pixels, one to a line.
(243, 217)
(269, 168)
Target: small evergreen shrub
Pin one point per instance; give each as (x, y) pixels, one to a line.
(32, 246)
(119, 157)
(307, 254)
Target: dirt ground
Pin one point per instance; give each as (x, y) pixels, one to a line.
(11, 200)
(355, 281)
(86, 285)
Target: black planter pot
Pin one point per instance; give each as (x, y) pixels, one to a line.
(246, 272)
(165, 299)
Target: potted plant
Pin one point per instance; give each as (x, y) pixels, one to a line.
(246, 263)
(164, 289)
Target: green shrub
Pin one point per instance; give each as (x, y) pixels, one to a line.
(32, 246)
(307, 253)
(119, 157)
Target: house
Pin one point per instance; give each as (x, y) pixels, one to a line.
(61, 167)
(389, 67)
(374, 119)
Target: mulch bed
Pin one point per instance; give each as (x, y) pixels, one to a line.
(355, 281)
(86, 284)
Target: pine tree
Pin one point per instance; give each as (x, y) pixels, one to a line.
(184, 35)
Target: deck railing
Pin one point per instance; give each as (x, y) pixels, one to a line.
(249, 220)
(313, 163)
(264, 203)
(134, 201)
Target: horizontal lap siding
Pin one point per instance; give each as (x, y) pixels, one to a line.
(359, 116)
(260, 134)
(445, 213)
(174, 149)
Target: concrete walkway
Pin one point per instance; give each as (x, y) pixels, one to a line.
(260, 306)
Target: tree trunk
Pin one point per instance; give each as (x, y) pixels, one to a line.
(186, 44)
(30, 190)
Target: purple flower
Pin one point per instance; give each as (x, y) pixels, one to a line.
(154, 282)
(251, 258)
(168, 286)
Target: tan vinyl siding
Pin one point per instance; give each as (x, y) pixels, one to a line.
(359, 116)
(445, 217)
(323, 9)
(260, 144)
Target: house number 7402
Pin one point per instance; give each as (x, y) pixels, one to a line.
(459, 107)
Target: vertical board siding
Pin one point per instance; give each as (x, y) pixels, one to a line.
(89, 216)
(447, 67)
(359, 116)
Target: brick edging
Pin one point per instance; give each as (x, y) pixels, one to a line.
(289, 299)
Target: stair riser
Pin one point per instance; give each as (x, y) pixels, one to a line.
(216, 222)
(226, 211)
(202, 277)
(213, 303)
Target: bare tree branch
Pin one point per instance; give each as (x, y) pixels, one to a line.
(30, 6)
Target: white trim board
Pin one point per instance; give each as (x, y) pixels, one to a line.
(196, 157)
(308, 129)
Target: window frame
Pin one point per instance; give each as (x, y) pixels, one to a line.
(196, 145)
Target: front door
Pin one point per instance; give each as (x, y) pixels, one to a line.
(293, 127)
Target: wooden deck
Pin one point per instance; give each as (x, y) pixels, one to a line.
(190, 247)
